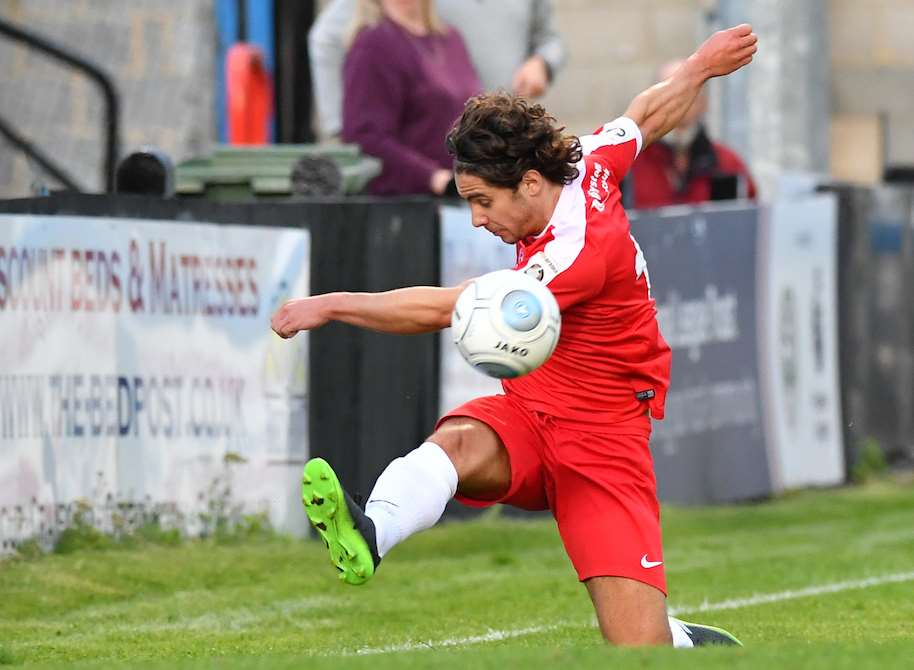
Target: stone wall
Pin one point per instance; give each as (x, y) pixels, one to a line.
(161, 56)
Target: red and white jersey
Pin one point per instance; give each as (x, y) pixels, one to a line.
(611, 363)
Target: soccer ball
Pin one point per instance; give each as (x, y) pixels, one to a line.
(506, 323)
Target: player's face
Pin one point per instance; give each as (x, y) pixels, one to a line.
(504, 212)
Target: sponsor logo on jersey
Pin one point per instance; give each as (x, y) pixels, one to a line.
(615, 131)
(541, 267)
(598, 188)
(535, 271)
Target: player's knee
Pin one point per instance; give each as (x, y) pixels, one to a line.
(455, 437)
(470, 444)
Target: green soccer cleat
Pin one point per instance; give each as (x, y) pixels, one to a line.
(345, 528)
(709, 636)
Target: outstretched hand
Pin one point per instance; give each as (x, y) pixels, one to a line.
(299, 314)
(727, 50)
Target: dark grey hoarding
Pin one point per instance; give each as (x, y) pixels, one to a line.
(711, 446)
(876, 319)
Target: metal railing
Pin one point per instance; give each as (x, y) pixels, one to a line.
(110, 125)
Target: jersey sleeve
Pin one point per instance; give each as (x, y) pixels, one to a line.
(618, 143)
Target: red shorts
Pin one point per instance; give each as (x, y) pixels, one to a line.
(599, 485)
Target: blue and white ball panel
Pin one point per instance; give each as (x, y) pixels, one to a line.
(521, 310)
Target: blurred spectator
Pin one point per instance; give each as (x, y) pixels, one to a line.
(514, 45)
(406, 78)
(686, 166)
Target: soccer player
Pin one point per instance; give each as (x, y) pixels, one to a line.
(572, 436)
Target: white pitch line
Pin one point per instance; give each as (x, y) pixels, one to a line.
(732, 604)
(822, 589)
(491, 636)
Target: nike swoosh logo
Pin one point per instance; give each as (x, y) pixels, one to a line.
(378, 500)
(649, 564)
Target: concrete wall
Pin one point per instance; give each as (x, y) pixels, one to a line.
(614, 50)
(775, 112)
(872, 58)
(615, 47)
(161, 55)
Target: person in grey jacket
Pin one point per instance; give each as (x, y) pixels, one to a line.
(514, 45)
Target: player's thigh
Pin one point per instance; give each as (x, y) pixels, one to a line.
(606, 506)
(478, 454)
(630, 613)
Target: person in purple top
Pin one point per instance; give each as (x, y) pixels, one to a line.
(405, 81)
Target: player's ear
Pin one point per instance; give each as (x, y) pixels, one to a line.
(532, 182)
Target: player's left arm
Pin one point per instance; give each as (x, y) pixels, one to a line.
(660, 108)
(405, 311)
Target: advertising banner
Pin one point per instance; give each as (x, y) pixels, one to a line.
(803, 403)
(137, 364)
(711, 445)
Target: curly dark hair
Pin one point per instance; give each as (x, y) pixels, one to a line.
(500, 136)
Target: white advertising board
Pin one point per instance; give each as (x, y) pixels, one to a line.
(135, 355)
(800, 343)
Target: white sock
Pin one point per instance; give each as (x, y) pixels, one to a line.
(681, 639)
(410, 494)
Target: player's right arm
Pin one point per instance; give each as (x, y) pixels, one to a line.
(405, 311)
(655, 112)
(660, 108)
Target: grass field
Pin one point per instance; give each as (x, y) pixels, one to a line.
(491, 593)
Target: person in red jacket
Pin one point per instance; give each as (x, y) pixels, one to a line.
(686, 166)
